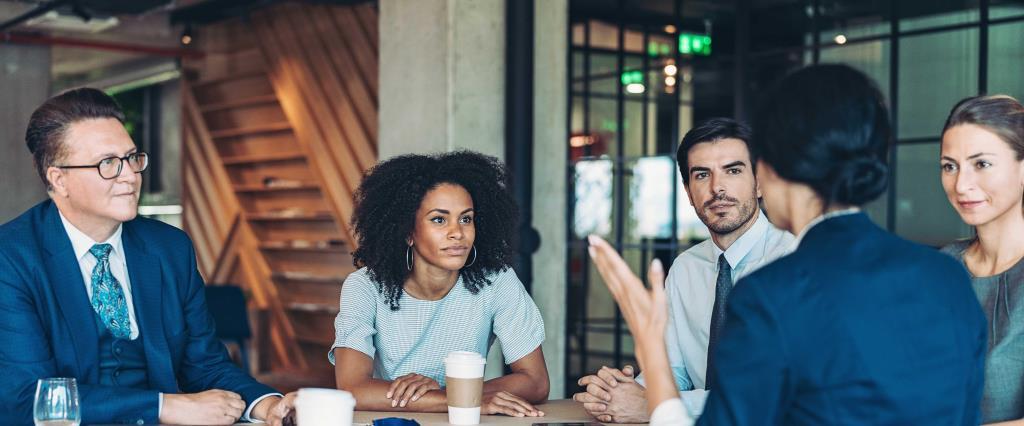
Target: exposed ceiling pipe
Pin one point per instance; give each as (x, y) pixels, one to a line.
(37, 11)
(29, 38)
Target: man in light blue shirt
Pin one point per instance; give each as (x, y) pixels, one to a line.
(718, 172)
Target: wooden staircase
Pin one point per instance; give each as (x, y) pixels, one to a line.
(269, 173)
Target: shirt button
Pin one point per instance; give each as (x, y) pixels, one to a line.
(117, 374)
(117, 351)
(140, 422)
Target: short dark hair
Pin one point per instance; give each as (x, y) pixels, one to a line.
(391, 193)
(999, 114)
(826, 126)
(50, 122)
(711, 130)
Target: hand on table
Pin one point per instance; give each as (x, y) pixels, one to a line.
(281, 409)
(613, 396)
(212, 407)
(507, 404)
(409, 388)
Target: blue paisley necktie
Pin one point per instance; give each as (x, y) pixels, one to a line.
(107, 296)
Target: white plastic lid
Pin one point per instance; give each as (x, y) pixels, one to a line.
(465, 357)
(335, 395)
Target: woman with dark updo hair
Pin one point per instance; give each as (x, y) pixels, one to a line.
(982, 164)
(856, 325)
(435, 238)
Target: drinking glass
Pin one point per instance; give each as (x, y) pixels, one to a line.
(56, 402)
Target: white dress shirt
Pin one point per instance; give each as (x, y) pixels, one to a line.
(690, 289)
(81, 244)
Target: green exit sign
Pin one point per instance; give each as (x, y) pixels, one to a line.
(632, 77)
(695, 44)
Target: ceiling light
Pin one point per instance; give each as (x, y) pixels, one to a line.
(186, 35)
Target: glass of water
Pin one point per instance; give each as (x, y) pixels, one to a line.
(57, 402)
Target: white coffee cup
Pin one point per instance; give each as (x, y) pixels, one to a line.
(464, 374)
(324, 407)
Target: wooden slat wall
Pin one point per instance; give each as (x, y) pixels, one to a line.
(288, 95)
(324, 71)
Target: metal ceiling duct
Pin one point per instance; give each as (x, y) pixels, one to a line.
(86, 9)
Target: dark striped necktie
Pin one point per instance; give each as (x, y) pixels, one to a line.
(723, 285)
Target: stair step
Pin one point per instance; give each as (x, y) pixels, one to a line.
(229, 77)
(253, 130)
(263, 158)
(296, 217)
(313, 308)
(317, 340)
(302, 276)
(320, 375)
(262, 188)
(305, 246)
(239, 103)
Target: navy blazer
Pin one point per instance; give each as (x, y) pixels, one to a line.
(48, 328)
(856, 326)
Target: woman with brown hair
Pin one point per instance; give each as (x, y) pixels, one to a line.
(982, 164)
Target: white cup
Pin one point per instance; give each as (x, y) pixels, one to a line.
(324, 407)
(464, 374)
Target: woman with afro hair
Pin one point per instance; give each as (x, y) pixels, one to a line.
(435, 239)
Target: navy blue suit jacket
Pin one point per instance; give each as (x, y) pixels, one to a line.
(856, 326)
(48, 329)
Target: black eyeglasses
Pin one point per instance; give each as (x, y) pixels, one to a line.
(110, 167)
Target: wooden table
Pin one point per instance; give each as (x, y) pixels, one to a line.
(558, 411)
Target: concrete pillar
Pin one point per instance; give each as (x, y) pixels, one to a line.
(550, 140)
(25, 84)
(442, 76)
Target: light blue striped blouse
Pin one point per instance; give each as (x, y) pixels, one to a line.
(416, 338)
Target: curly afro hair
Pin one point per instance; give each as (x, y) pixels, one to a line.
(391, 193)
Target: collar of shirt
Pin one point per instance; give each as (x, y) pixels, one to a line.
(81, 243)
(814, 222)
(742, 246)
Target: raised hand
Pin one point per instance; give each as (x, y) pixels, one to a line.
(646, 314)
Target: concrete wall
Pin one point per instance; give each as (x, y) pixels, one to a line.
(25, 84)
(550, 137)
(442, 76)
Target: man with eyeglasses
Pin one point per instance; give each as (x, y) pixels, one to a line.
(91, 291)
